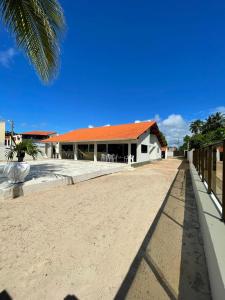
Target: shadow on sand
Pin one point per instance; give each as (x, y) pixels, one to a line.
(170, 263)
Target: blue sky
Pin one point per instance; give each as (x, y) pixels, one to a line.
(123, 61)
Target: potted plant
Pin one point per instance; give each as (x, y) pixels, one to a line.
(16, 171)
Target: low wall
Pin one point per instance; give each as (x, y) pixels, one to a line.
(4, 149)
(190, 156)
(2, 153)
(213, 231)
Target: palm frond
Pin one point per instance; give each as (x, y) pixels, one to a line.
(37, 26)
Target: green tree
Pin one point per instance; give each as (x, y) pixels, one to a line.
(196, 126)
(197, 141)
(37, 26)
(214, 122)
(163, 138)
(186, 143)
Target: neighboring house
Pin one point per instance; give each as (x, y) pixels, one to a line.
(36, 136)
(137, 142)
(219, 153)
(164, 151)
(171, 151)
(7, 139)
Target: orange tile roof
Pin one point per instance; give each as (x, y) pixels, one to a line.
(106, 133)
(40, 132)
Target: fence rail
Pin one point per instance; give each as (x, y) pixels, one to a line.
(209, 161)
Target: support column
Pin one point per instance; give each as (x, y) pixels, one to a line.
(95, 152)
(46, 149)
(75, 151)
(129, 153)
(166, 153)
(51, 150)
(60, 151)
(217, 154)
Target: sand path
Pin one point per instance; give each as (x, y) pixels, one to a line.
(79, 240)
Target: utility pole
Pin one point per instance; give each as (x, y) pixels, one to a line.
(12, 130)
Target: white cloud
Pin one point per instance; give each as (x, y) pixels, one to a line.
(139, 121)
(7, 56)
(219, 109)
(90, 126)
(174, 127)
(174, 120)
(106, 125)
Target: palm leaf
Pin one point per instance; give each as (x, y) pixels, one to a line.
(37, 26)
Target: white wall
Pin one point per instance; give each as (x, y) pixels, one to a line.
(170, 154)
(2, 152)
(2, 133)
(190, 156)
(154, 147)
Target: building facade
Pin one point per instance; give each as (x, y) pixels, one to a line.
(129, 143)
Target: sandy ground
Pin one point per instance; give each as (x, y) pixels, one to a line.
(79, 240)
(171, 262)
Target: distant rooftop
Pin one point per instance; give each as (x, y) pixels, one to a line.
(38, 132)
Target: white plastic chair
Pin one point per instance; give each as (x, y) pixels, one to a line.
(108, 157)
(103, 157)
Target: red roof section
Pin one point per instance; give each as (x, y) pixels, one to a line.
(106, 133)
(40, 132)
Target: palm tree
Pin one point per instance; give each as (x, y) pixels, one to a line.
(37, 26)
(196, 126)
(214, 122)
(24, 147)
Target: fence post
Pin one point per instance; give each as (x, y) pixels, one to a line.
(209, 170)
(199, 162)
(223, 187)
(202, 163)
(197, 156)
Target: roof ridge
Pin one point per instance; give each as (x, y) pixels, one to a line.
(123, 124)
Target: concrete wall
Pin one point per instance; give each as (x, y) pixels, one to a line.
(154, 147)
(2, 133)
(213, 231)
(2, 153)
(190, 156)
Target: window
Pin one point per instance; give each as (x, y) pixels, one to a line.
(83, 147)
(144, 148)
(101, 147)
(91, 148)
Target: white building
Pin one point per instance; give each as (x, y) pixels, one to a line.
(136, 142)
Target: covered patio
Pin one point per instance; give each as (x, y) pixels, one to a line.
(106, 152)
